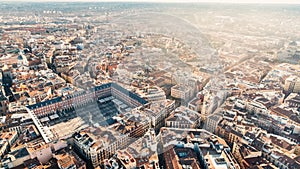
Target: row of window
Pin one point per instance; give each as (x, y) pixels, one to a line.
(81, 99)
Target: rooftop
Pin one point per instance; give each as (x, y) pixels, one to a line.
(65, 161)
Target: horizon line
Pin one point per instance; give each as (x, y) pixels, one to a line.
(170, 1)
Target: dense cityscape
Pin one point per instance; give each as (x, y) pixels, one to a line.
(153, 86)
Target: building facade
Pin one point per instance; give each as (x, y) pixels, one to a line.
(80, 99)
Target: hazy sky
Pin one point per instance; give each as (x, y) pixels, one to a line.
(221, 1)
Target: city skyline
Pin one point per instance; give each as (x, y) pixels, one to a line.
(152, 85)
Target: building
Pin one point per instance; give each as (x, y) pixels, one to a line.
(140, 154)
(180, 157)
(69, 160)
(3, 104)
(278, 158)
(152, 93)
(196, 103)
(34, 150)
(183, 117)
(15, 158)
(256, 107)
(228, 133)
(212, 122)
(71, 76)
(283, 114)
(182, 92)
(158, 112)
(97, 144)
(65, 162)
(292, 84)
(195, 148)
(64, 63)
(80, 99)
(293, 100)
(6, 141)
(244, 153)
